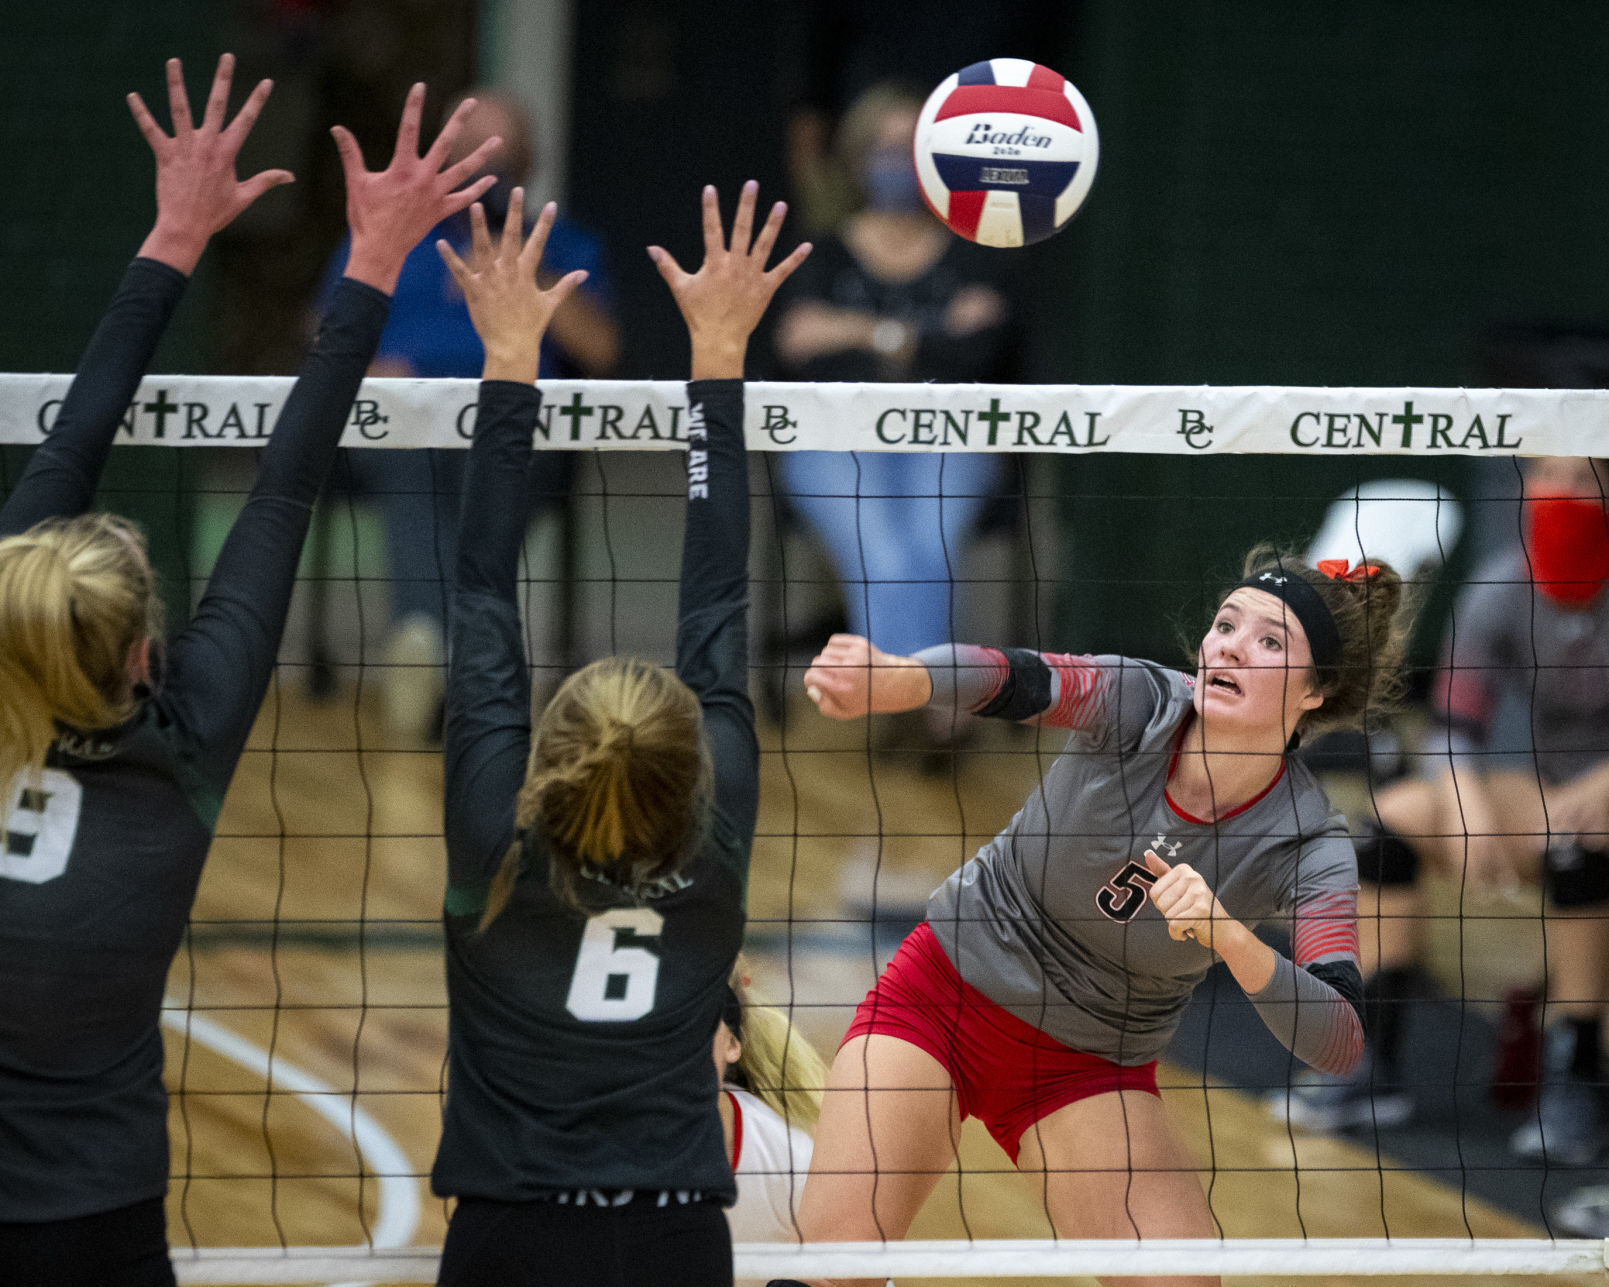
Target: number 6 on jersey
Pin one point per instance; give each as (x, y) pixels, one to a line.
(613, 983)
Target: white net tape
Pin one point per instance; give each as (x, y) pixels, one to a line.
(638, 415)
(1249, 1257)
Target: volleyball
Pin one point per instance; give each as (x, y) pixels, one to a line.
(1006, 151)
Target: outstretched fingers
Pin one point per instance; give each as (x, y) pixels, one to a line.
(218, 96)
(565, 287)
(458, 171)
(480, 237)
(148, 127)
(743, 221)
(346, 146)
(714, 238)
(178, 100)
(785, 269)
(531, 253)
(456, 266)
(407, 147)
(767, 239)
(513, 222)
(450, 130)
(247, 116)
(456, 201)
(669, 269)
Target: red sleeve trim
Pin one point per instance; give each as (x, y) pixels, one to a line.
(737, 1128)
(1326, 926)
(1081, 690)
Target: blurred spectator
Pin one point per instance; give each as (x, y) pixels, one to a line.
(838, 49)
(892, 296)
(1528, 643)
(430, 335)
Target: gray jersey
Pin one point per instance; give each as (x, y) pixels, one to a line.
(1051, 919)
(1507, 641)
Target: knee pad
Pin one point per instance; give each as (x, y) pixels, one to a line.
(1576, 877)
(1385, 858)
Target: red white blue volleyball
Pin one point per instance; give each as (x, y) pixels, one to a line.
(1006, 151)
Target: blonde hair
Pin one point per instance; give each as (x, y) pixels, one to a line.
(618, 784)
(777, 1065)
(77, 596)
(1373, 619)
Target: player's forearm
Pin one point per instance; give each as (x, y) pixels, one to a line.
(1310, 1018)
(963, 678)
(301, 451)
(715, 543)
(1056, 689)
(64, 471)
(495, 505)
(712, 607)
(1249, 959)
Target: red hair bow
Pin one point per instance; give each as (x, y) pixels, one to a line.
(1339, 570)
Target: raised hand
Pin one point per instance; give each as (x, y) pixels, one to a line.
(724, 300)
(509, 309)
(196, 189)
(389, 211)
(851, 677)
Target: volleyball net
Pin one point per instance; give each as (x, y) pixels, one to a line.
(307, 1016)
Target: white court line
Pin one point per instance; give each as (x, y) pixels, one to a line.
(398, 1200)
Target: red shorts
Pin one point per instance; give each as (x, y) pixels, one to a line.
(1006, 1073)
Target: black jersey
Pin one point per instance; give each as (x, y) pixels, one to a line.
(101, 860)
(579, 1046)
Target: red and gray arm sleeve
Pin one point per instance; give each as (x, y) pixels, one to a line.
(1055, 689)
(1313, 1003)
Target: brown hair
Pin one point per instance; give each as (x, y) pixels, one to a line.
(777, 1065)
(618, 784)
(77, 596)
(1373, 621)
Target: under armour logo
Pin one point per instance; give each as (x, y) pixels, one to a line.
(1161, 845)
(1277, 580)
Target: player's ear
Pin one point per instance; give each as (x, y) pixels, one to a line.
(138, 664)
(1312, 700)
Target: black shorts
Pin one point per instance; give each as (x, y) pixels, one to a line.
(123, 1248)
(637, 1244)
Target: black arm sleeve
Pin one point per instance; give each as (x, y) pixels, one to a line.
(1345, 978)
(218, 668)
(1026, 692)
(65, 469)
(488, 734)
(712, 643)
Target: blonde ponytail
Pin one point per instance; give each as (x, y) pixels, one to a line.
(777, 1065)
(618, 784)
(77, 596)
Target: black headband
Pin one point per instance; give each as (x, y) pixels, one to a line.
(1308, 607)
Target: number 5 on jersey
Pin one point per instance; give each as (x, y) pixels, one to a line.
(1122, 897)
(615, 978)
